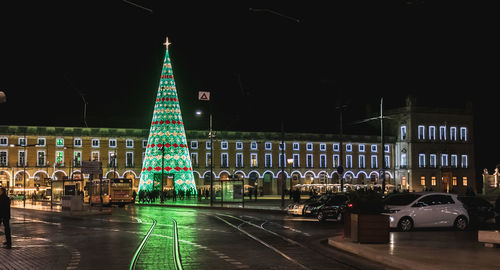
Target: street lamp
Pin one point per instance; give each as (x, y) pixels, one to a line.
(24, 145)
(113, 155)
(210, 135)
(290, 162)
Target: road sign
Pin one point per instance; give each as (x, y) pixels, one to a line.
(340, 169)
(203, 95)
(92, 167)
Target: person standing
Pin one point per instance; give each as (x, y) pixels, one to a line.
(5, 216)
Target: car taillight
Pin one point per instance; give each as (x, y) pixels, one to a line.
(349, 205)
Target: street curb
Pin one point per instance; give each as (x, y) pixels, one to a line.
(368, 253)
(217, 208)
(83, 213)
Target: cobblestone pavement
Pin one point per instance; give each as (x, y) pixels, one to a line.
(208, 239)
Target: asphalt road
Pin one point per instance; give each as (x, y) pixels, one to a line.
(160, 237)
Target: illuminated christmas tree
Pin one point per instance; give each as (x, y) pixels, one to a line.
(167, 152)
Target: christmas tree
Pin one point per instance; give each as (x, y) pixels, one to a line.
(167, 152)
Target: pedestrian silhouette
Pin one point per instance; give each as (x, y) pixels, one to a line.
(5, 216)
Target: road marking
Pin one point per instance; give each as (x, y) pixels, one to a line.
(262, 242)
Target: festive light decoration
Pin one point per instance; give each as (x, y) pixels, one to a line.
(167, 149)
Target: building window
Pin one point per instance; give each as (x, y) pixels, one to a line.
(268, 162)
(282, 160)
(348, 161)
(224, 160)
(432, 133)
(421, 132)
(95, 156)
(422, 180)
(77, 142)
(268, 145)
(421, 160)
(454, 180)
(309, 146)
(239, 145)
(194, 144)
(253, 145)
(463, 133)
(143, 156)
(21, 159)
(112, 158)
(454, 162)
(403, 132)
(464, 181)
(432, 161)
(41, 142)
(453, 133)
(253, 160)
(4, 141)
(322, 147)
(112, 143)
(403, 181)
(129, 143)
(387, 160)
(296, 160)
(322, 161)
(361, 161)
(442, 133)
(208, 145)
(465, 163)
(282, 146)
(433, 180)
(59, 158)
(386, 148)
(309, 161)
(444, 160)
(348, 147)
(336, 161)
(336, 147)
(194, 159)
(95, 142)
(3, 159)
(403, 160)
(77, 158)
(295, 146)
(361, 147)
(223, 145)
(374, 162)
(374, 148)
(59, 142)
(40, 158)
(144, 143)
(129, 159)
(208, 160)
(239, 160)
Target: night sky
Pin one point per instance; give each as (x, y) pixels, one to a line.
(260, 67)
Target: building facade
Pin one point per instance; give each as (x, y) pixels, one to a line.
(425, 149)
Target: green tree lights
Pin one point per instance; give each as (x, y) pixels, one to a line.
(167, 134)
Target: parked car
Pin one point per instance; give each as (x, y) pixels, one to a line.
(297, 209)
(426, 209)
(332, 207)
(479, 209)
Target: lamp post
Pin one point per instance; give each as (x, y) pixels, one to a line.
(290, 163)
(162, 149)
(210, 135)
(24, 145)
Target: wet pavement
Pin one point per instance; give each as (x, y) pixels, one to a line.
(207, 239)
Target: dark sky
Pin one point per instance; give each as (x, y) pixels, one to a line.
(259, 66)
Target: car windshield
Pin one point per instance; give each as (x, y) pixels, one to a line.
(401, 199)
(337, 200)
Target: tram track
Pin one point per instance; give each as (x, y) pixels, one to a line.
(175, 248)
(303, 257)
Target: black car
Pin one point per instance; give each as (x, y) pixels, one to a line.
(329, 206)
(479, 209)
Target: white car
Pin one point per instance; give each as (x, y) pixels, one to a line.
(426, 209)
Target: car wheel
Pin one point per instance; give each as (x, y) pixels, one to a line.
(405, 224)
(460, 223)
(321, 216)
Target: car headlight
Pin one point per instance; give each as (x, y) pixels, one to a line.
(391, 219)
